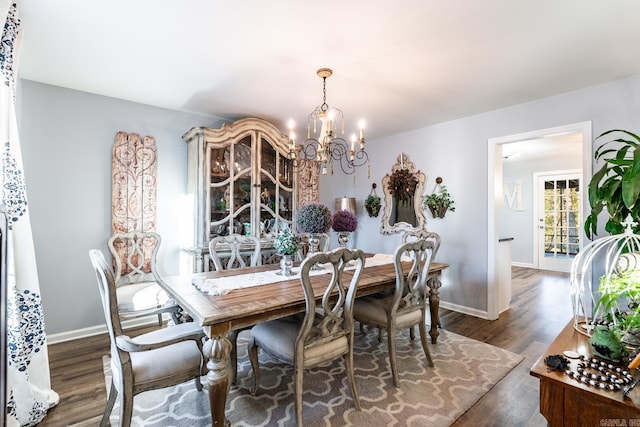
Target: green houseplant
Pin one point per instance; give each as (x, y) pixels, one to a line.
(439, 202)
(616, 185)
(372, 205)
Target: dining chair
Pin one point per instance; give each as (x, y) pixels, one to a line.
(231, 252)
(235, 251)
(323, 246)
(422, 233)
(136, 276)
(407, 305)
(326, 330)
(158, 359)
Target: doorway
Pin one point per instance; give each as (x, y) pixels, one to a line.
(496, 196)
(557, 228)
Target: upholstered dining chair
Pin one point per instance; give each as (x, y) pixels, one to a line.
(231, 252)
(423, 234)
(427, 235)
(235, 251)
(158, 359)
(407, 305)
(326, 330)
(137, 278)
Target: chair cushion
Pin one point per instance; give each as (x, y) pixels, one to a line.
(278, 338)
(170, 360)
(134, 297)
(372, 310)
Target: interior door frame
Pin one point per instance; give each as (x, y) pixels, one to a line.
(495, 194)
(537, 207)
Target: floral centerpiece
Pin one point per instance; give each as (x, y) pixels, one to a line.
(313, 218)
(286, 243)
(344, 220)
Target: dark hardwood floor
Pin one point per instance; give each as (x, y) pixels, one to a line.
(540, 308)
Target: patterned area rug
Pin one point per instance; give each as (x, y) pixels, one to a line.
(464, 371)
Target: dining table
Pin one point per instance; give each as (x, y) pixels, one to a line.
(234, 309)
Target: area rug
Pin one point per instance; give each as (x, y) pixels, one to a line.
(464, 371)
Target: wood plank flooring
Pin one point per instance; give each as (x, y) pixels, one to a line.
(540, 308)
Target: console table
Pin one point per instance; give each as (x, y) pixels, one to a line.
(567, 402)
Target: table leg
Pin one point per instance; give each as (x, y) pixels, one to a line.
(217, 350)
(434, 305)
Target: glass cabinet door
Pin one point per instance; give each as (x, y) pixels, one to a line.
(276, 190)
(230, 188)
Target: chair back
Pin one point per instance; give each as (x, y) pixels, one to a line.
(134, 256)
(410, 291)
(107, 288)
(235, 251)
(421, 233)
(333, 319)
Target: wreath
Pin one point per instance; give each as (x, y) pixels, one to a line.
(402, 185)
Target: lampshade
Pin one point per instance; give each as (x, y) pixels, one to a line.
(346, 204)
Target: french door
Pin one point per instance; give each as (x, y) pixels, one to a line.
(558, 223)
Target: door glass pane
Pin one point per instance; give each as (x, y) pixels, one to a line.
(561, 218)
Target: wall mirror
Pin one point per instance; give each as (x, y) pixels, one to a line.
(403, 191)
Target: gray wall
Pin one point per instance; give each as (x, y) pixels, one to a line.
(519, 224)
(457, 151)
(67, 138)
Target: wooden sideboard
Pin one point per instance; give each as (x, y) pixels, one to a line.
(567, 402)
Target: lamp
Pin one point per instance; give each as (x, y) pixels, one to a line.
(346, 204)
(325, 146)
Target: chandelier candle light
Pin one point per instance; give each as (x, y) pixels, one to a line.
(326, 146)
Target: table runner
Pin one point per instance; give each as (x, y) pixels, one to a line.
(224, 285)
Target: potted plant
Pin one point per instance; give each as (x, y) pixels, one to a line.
(439, 202)
(286, 244)
(313, 218)
(616, 185)
(372, 205)
(344, 222)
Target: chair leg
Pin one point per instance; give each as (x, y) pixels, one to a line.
(361, 328)
(126, 408)
(113, 394)
(160, 319)
(252, 349)
(412, 333)
(379, 334)
(423, 338)
(299, 371)
(348, 362)
(391, 341)
(233, 337)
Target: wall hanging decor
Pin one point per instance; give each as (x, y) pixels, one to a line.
(372, 203)
(134, 166)
(439, 201)
(403, 192)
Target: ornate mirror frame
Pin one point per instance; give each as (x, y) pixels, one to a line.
(391, 204)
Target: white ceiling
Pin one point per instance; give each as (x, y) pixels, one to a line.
(400, 65)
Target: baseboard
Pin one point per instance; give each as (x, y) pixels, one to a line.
(522, 264)
(98, 330)
(464, 310)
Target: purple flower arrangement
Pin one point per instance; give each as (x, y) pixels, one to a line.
(344, 220)
(313, 218)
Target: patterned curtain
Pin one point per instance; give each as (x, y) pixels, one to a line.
(29, 394)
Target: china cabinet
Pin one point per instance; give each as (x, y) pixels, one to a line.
(242, 182)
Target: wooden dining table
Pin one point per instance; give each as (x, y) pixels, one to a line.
(218, 315)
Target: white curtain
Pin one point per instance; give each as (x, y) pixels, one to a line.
(29, 394)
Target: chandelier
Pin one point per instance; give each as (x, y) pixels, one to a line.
(326, 147)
